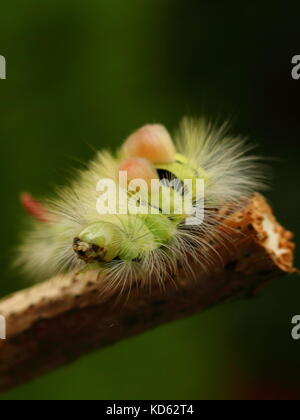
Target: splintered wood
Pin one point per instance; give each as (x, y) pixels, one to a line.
(55, 322)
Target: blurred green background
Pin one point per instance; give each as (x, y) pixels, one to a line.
(85, 74)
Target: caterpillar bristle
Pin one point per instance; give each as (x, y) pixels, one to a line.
(144, 248)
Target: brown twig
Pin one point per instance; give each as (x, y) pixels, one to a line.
(56, 322)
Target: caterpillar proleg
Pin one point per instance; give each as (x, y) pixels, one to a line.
(166, 183)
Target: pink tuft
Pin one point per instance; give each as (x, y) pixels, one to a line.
(34, 208)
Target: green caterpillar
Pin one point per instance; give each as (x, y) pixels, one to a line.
(69, 233)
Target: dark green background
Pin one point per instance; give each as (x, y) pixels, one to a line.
(83, 75)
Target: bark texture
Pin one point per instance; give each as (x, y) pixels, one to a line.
(57, 321)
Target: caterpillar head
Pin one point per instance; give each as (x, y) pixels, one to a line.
(127, 240)
(98, 242)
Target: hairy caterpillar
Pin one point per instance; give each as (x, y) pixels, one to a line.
(68, 233)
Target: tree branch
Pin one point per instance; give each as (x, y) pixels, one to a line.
(56, 322)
